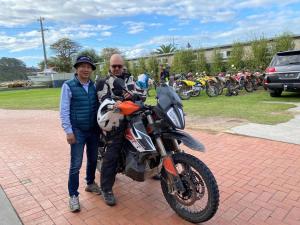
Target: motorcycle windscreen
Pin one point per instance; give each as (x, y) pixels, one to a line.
(166, 97)
(138, 137)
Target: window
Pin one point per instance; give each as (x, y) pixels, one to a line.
(225, 54)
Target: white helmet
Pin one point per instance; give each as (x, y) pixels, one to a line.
(108, 118)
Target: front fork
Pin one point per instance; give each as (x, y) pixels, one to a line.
(173, 179)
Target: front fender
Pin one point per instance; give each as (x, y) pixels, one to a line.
(186, 139)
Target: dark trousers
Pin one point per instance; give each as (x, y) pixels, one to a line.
(110, 161)
(89, 139)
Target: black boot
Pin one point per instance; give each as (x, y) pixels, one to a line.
(109, 198)
(156, 177)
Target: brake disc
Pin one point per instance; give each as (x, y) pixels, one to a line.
(188, 197)
(200, 186)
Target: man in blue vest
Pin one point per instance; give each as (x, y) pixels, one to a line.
(78, 113)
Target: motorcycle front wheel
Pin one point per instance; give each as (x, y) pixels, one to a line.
(248, 86)
(195, 93)
(212, 90)
(220, 89)
(200, 200)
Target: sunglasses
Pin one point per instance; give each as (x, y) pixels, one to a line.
(115, 66)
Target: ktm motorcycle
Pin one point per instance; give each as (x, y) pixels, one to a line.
(153, 143)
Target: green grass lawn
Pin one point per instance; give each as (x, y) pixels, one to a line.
(250, 106)
(46, 98)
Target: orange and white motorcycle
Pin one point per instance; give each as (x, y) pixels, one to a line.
(154, 135)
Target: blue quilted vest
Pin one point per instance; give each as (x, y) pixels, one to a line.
(84, 106)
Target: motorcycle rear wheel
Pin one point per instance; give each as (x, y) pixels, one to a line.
(184, 93)
(198, 181)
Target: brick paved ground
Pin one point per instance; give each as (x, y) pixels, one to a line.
(259, 180)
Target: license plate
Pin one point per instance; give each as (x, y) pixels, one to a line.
(197, 88)
(289, 76)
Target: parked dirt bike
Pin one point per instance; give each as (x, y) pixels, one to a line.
(244, 81)
(186, 88)
(231, 85)
(210, 85)
(257, 79)
(221, 83)
(153, 138)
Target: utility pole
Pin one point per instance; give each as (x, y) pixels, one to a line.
(174, 44)
(43, 40)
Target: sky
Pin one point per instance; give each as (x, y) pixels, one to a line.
(138, 27)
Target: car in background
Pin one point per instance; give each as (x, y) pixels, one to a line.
(283, 73)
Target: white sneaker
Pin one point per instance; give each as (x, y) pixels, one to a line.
(74, 203)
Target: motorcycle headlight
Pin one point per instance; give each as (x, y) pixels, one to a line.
(177, 118)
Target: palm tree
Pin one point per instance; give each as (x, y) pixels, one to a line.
(165, 49)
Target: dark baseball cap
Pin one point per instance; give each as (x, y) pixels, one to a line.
(84, 59)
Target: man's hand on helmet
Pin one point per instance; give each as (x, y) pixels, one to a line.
(71, 139)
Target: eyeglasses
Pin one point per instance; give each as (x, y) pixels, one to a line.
(115, 66)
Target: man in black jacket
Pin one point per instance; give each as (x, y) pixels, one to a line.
(107, 88)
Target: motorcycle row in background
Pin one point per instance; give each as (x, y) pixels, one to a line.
(187, 85)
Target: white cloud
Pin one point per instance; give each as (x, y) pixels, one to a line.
(30, 57)
(155, 24)
(16, 44)
(135, 52)
(87, 28)
(262, 3)
(244, 30)
(219, 17)
(32, 33)
(20, 13)
(137, 27)
(106, 34)
(173, 29)
(134, 27)
(266, 25)
(32, 39)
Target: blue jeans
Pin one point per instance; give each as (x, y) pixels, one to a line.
(90, 139)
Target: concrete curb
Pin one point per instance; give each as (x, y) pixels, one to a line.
(8, 214)
(288, 132)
